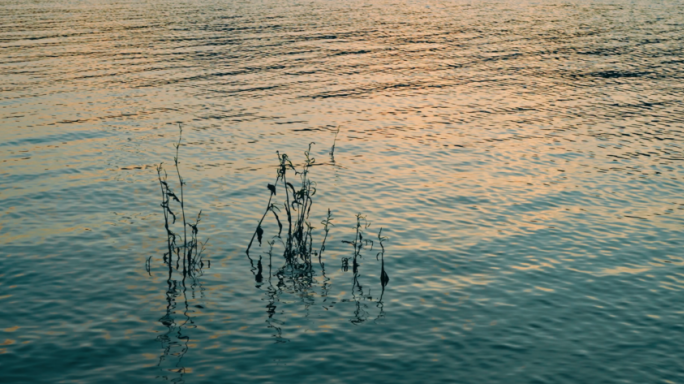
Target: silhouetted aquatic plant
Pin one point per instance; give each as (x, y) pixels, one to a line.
(361, 225)
(359, 295)
(384, 278)
(187, 250)
(183, 255)
(327, 223)
(297, 275)
(297, 207)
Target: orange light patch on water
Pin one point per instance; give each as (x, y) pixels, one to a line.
(528, 266)
(619, 270)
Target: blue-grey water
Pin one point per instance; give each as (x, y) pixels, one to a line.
(524, 159)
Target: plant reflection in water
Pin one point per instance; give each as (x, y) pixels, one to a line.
(178, 319)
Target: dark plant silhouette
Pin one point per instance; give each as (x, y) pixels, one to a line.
(187, 250)
(298, 275)
(184, 255)
(297, 207)
(290, 202)
(359, 294)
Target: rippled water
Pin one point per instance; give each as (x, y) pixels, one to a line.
(525, 160)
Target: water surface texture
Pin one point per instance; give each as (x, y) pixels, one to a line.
(524, 159)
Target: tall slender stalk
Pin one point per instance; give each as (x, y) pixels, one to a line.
(189, 252)
(182, 200)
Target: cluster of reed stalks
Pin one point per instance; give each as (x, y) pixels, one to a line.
(297, 207)
(299, 250)
(295, 190)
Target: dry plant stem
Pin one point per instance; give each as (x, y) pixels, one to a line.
(326, 223)
(268, 208)
(287, 206)
(188, 251)
(165, 204)
(182, 201)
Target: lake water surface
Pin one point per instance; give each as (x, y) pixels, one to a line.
(525, 161)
